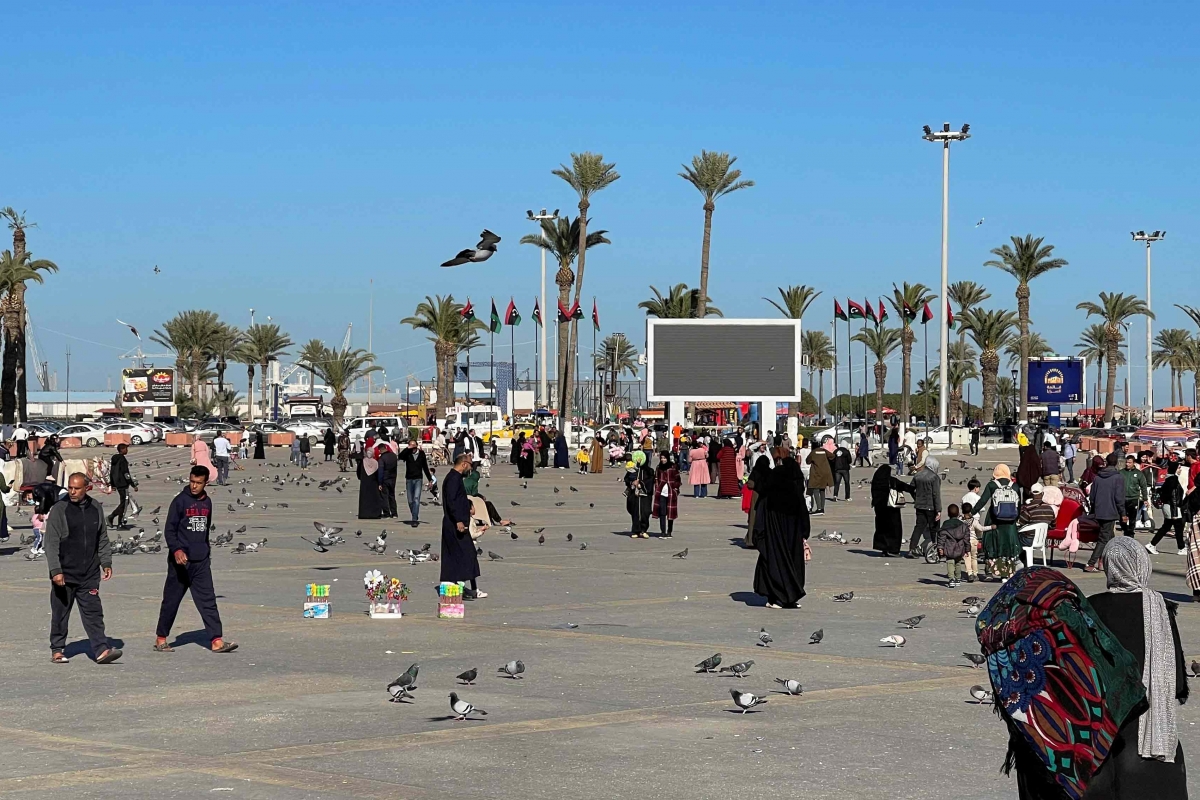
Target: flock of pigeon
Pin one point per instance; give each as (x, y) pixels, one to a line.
(401, 689)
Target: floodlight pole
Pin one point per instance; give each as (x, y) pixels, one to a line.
(1149, 239)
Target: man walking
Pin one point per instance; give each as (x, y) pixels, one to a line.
(415, 465)
(305, 449)
(222, 450)
(975, 431)
(21, 437)
(1107, 495)
(927, 498)
(120, 478)
(388, 464)
(79, 556)
(189, 519)
(1136, 491)
(842, 459)
(1068, 455)
(1051, 468)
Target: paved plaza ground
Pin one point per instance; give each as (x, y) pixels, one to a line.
(610, 705)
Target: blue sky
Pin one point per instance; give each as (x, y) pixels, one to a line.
(281, 155)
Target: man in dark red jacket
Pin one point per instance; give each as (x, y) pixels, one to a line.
(189, 520)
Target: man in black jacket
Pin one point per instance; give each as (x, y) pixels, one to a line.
(415, 465)
(121, 478)
(189, 519)
(79, 557)
(388, 468)
(842, 460)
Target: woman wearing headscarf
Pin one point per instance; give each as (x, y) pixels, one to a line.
(562, 454)
(330, 441)
(202, 458)
(698, 475)
(782, 526)
(759, 475)
(666, 494)
(596, 455)
(894, 447)
(1001, 545)
(820, 474)
(639, 493)
(370, 502)
(259, 442)
(525, 460)
(889, 527)
(1029, 470)
(514, 457)
(727, 485)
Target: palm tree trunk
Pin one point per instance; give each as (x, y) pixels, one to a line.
(1110, 391)
(880, 380)
(338, 406)
(22, 387)
(906, 341)
(821, 396)
(1023, 312)
(566, 391)
(250, 391)
(221, 364)
(563, 334)
(989, 367)
(312, 379)
(8, 381)
(266, 408)
(702, 300)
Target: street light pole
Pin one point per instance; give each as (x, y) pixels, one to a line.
(543, 392)
(1149, 239)
(945, 136)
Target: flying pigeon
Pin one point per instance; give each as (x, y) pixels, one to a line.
(513, 669)
(844, 597)
(462, 708)
(817, 637)
(317, 545)
(895, 640)
(911, 622)
(709, 664)
(790, 685)
(480, 252)
(739, 669)
(764, 638)
(975, 658)
(745, 700)
(981, 694)
(469, 676)
(495, 556)
(326, 530)
(977, 224)
(156, 269)
(538, 530)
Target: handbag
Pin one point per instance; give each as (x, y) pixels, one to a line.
(896, 499)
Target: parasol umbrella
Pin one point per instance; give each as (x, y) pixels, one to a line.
(1164, 432)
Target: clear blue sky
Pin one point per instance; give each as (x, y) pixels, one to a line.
(280, 155)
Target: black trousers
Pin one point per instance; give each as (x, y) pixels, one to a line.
(1177, 524)
(87, 596)
(118, 514)
(22, 448)
(1107, 527)
(974, 447)
(389, 498)
(664, 525)
(926, 527)
(197, 577)
(1130, 518)
(841, 476)
(545, 456)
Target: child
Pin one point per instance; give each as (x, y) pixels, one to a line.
(952, 542)
(582, 456)
(971, 561)
(972, 496)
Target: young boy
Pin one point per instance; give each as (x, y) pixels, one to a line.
(972, 496)
(971, 561)
(952, 541)
(582, 456)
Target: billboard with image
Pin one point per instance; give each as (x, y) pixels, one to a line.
(148, 386)
(1056, 380)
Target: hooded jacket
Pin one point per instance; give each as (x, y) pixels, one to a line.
(927, 488)
(1108, 494)
(954, 538)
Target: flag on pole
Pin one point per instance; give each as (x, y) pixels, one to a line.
(882, 311)
(856, 311)
(595, 314)
(838, 313)
(495, 325)
(537, 312)
(567, 314)
(871, 315)
(468, 311)
(926, 314)
(512, 317)
(910, 313)
(949, 315)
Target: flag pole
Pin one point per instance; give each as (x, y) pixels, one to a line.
(836, 416)
(926, 338)
(850, 370)
(537, 372)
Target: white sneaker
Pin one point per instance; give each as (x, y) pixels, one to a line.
(1182, 551)
(1151, 549)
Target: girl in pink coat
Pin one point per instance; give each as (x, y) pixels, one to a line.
(698, 470)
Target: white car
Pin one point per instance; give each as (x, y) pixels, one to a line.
(91, 434)
(357, 428)
(138, 434)
(314, 433)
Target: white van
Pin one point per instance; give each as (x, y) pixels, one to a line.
(357, 428)
(479, 418)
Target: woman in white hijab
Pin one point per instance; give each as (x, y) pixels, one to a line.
(1146, 759)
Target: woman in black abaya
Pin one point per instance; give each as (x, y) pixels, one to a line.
(889, 528)
(782, 524)
(370, 501)
(259, 453)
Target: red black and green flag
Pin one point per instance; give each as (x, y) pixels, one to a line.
(838, 313)
(512, 317)
(595, 314)
(537, 312)
(871, 315)
(949, 315)
(567, 314)
(494, 326)
(926, 314)
(910, 313)
(882, 311)
(468, 311)
(856, 311)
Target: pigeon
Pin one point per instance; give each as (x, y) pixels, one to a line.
(561, 503)
(709, 664)
(764, 638)
(739, 669)
(856, 540)
(790, 685)
(971, 611)
(572, 488)
(399, 693)
(513, 669)
(981, 695)
(541, 540)
(570, 537)
(977, 224)
(253, 547)
(976, 659)
(317, 545)
(817, 637)
(326, 530)
(1195, 665)
(745, 700)
(512, 534)
(557, 490)
(469, 676)
(157, 271)
(283, 505)
(462, 708)
(495, 556)
(895, 640)
(911, 622)
(241, 548)
(380, 540)
(538, 530)
(681, 554)
(358, 533)
(156, 510)
(583, 546)
(513, 503)
(844, 597)
(404, 683)
(973, 601)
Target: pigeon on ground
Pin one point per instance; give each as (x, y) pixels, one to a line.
(844, 597)
(895, 640)
(561, 503)
(541, 540)
(583, 546)
(709, 664)
(557, 490)
(817, 637)
(381, 539)
(241, 548)
(790, 685)
(512, 534)
(739, 669)
(462, 708)
(230, 507)
(681, 554)
(283, 505)
(973, 601)
(856, 540)
(911, 622)
(404, 683)
(358, 533)
(972, 611)
(513, 669)
(981, 695)
(469, 676)
(1195, 665)
(513, 503)
(764, 638)
(399, 693)
(495, 556)
(570, 537)
(976, 659)
(745, 700)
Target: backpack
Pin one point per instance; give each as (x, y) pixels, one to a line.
(1006, 504)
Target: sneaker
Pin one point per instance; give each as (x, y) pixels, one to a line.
(1151, 549)
(970, 579)
(1182, 551)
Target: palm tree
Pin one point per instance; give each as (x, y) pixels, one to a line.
(617, 355)
(966, 295)
(1194, 348)
(1092, 347)
(881, 342)
(339, 369)
(222, 346)
(908, 301)
(960, 368)
(680, 302)
(310, 355)
(795, 300)
(560, 238)
(990, 331)
(1192, 363)
(1114, 309)
(15, 271)
(190, 334)
(1005, 389)
(1027, 259)
(227, 401)
(1038, 348)
(18, 225)
(262, 345)
(713, 177)
(817, 346)
(441, 317)
(1171, 352)
(587, 175)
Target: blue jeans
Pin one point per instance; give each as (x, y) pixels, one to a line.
(222, 465)
(412, 493)
(700, 490)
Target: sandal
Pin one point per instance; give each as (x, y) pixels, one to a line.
(58, 658)
(163, 647)
(108, 656)
(224, 647)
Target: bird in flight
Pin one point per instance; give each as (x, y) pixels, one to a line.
(977, 224)
(479, 253)
(156, 269)
(132, 329)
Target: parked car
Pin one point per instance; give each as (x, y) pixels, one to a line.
(138, 433)
(90, 433)
(207, 431)
(357, 427)
(305, 428)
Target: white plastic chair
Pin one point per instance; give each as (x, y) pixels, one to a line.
(1040, 531)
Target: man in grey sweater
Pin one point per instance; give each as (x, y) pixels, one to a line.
(79, 556)
(927, 499)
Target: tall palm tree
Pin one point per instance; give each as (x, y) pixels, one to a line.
(794, 300)
(817, 346)
(1005, 389)
(560, 238)
(587, 175)
(1171, 351)
(990, 331)
(1092, 347)
(1114, 309)
(966, 295)
(616, 356)
(262, 345)
(339, 369)
(1027, 259)
(881, 342)
(227, 401)
(680, 302)
(908, 300)
(1194, 349)
(441, 318)
(310, 356)
(712, 175)
(1192, 364)
(1038, 348)
(15, 272)
(18, 225)
(190, 334)
(222, 346)
(960, 368)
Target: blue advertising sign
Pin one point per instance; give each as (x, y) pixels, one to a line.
(1056, 380)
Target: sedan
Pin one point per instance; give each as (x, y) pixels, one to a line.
(91, 434)
(207, 431)
(137, 433)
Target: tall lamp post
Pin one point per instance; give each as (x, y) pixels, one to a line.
(543, 393)
(945, 136)
(1149, 239)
